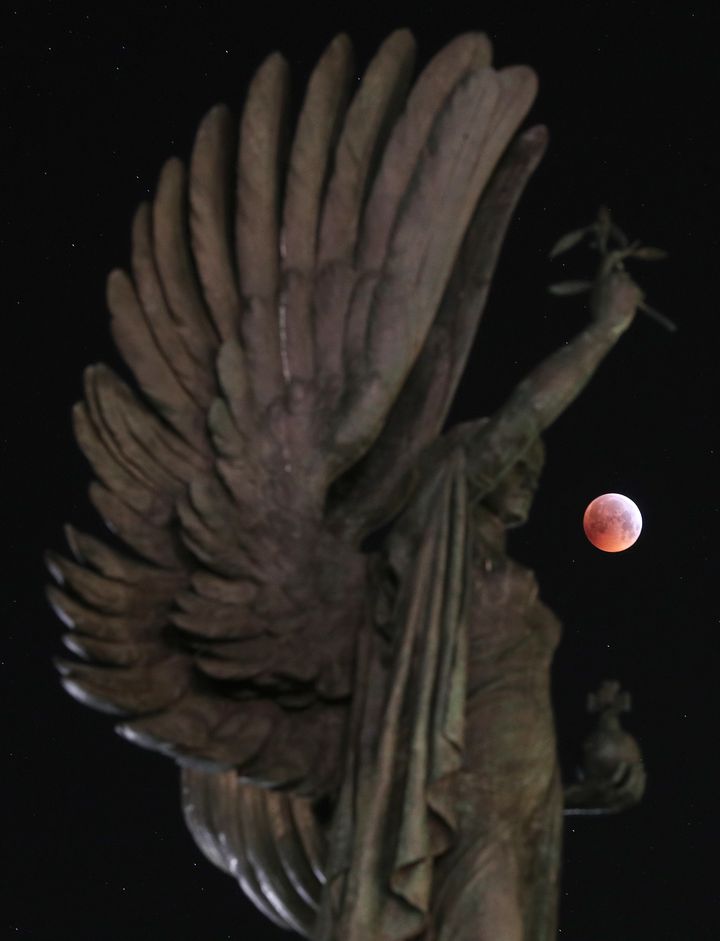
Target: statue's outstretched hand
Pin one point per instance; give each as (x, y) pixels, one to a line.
(613, 777)
(614, 301)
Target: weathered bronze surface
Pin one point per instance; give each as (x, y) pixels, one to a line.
(365, 734)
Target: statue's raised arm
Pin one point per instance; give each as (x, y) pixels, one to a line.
(553, 385)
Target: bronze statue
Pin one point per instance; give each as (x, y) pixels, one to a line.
(310, 606)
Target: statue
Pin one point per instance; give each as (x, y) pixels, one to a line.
(307, 601)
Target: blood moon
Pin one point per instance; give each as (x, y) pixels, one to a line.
(612, 522)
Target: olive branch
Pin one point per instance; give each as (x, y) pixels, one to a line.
(614, 248)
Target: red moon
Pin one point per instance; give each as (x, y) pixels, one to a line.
(612, 522)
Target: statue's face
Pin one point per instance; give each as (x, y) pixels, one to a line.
(512, 498)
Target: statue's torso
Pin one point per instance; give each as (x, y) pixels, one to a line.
(508, 794)
(509, 734)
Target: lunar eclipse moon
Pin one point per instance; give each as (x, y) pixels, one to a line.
(612, 522)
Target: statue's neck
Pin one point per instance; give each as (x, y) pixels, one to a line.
(489, 533)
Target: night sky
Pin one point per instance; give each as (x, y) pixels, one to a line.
(94, 101)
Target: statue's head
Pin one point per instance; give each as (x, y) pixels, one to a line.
(512, 497)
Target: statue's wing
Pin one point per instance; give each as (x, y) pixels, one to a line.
(369, 493)
(271, 842)
(279, 308)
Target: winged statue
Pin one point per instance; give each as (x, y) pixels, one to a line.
(305, 598)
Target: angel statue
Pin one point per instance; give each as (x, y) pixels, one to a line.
(306, 599)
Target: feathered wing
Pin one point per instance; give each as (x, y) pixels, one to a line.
(270, 842)
(284, 312)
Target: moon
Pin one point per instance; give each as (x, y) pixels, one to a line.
(612, 522)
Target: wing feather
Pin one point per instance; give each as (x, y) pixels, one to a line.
(106, 433)
(113, 628)
(283, 828)
(373, 108)
(146, 688)
(367, 124)
(129, 603)
(287, 859)
(212, 546)
(210, 804)
(199, 810)
(109, 595)
(210, 221)
(113, 410)
(310, 159)
(215, 545)
(214, 620)
(233, 377)
(228, 591)
(287, 902)
(155, 543)
(176, 268)
(178, 458)
(257, 224)
(137, 345)
(212, 729)
(223, 431)
(138, 495)
(196, 380)
(111, 653)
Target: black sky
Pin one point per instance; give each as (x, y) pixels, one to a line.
(94, 101)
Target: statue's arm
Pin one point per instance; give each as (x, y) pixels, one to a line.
(553, 385)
